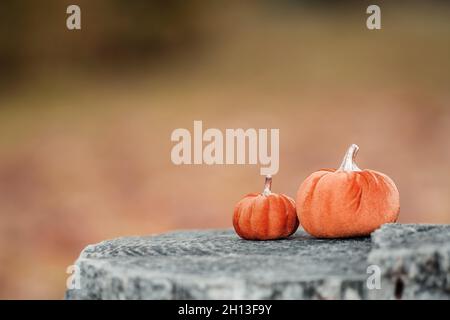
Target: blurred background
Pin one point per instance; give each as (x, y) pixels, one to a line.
(86, 116)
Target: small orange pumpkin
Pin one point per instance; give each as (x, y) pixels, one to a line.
(265, 216)
(347, 202)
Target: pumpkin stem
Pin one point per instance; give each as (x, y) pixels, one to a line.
(267, 185)
(348, 164)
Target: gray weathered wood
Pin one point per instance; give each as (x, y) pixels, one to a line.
(217, 264)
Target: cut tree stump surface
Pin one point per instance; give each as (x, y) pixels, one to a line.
(413, 262)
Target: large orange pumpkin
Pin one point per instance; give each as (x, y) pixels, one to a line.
(347, 202)
(265, 216)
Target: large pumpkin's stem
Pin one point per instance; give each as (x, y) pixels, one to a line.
(267, 185)
(348, 164)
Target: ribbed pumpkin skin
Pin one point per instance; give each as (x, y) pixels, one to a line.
(338, 204)
(265, 217)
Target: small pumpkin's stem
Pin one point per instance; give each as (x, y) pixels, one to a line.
(348, 164)
(267, 185)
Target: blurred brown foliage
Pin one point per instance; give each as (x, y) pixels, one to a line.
(86, 116)
(114, 32)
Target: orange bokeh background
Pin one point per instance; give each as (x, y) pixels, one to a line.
(86, 116)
